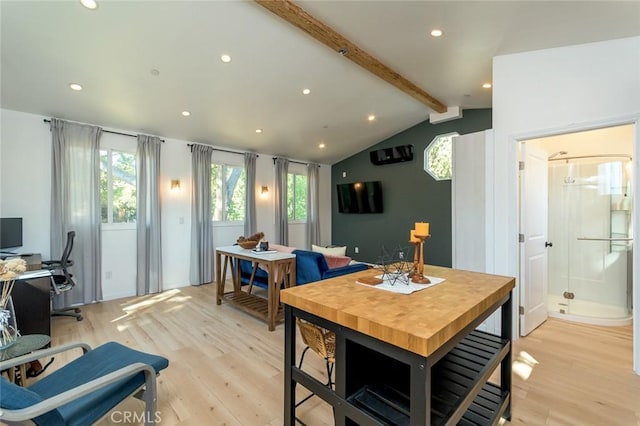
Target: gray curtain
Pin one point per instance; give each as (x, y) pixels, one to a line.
(148, 224)
(250, 198)
(313, 204)
(75, 206)
(201, 220)
(280, 200)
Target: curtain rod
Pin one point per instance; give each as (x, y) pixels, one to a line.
(110, 131)
(292, 161)
(190, 145)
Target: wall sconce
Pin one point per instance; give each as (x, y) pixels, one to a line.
(175, 184)
(264, 191)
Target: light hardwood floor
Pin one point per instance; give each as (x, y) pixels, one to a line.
(226, 368)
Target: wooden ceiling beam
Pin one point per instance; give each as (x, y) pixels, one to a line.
(297, 16)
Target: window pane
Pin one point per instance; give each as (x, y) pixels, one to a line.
(301, 197)
(216, 192)
(438, 157)
(228, 189)
(235, 193)
(104, 191)
(290, 196)
(123, 170)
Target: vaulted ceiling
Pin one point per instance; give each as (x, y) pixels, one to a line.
(142, 63)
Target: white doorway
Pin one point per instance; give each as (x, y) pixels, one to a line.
(576, 242)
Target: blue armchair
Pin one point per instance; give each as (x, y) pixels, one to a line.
(310, 267)
(84, 390)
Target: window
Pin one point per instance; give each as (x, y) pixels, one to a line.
(228, 192)
(437, 157)
(117, 186)
(297, 197)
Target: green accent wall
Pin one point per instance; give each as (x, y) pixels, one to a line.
(409, 195)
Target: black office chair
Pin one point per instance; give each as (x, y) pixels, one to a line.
(62, 280)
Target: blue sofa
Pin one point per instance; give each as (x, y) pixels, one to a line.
(310, 267)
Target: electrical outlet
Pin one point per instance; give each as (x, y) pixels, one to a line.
(181, 220)
(107, 275)
(357, 250)
(344, 174)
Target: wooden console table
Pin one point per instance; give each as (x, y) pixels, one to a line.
(281, 268)
(407, 359)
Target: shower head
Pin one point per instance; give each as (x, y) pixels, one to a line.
(555, 154)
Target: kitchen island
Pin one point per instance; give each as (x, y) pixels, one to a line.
(412, 359)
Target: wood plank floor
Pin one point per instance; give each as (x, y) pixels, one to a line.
(226, 368)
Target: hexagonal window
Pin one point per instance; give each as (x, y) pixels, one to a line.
(437, 157)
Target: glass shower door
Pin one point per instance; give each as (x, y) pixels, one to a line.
(590, 228)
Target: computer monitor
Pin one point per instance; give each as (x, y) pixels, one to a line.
(10, 232)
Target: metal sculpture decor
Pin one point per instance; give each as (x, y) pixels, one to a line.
(395, 265)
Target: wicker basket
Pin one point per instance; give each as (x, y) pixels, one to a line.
(248, 244)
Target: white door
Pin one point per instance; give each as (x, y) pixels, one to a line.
(533, 225)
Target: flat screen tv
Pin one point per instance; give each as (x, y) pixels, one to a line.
(10, 232)
(360, 197)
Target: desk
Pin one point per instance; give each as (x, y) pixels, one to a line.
(281, 268)
(32, 304)
(22, 346)
(407, 359)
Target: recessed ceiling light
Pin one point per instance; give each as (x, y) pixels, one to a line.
(154, 72)
(89, 4)
(186, 113)
(225, 58)
(486, 86)
(371, 117)
(436, 33)
(258, 130)
(321, 146)
(75, 86)
(306, 91)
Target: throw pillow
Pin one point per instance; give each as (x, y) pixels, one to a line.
(337, 261)
(331, 251)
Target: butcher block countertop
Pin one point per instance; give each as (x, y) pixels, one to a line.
(420, 322)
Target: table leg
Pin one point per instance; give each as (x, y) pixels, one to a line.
(235, 275)
(253, 275)
(292, 272)
(219, 279)
(23, 375)
(271, 295)
(289, 363)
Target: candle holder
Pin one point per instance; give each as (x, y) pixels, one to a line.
(416, 250)
(418, 277)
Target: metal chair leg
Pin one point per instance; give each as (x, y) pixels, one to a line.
(302, 357)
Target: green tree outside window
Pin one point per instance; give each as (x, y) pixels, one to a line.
(297, 197)
(118, 186)
(438, 157)
(228, 192)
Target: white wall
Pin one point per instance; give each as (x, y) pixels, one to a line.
(25, 176)
(556, 91)
(25, 173)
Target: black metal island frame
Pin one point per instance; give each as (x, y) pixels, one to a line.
(407, 359)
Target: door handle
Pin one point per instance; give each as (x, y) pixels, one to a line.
(548, 244)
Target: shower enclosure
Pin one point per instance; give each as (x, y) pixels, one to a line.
(590, 227)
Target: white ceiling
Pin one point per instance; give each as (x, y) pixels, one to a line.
(616, 140)
(112, 50)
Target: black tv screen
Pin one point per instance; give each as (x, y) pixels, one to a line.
(360, 197)
(10, 232)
